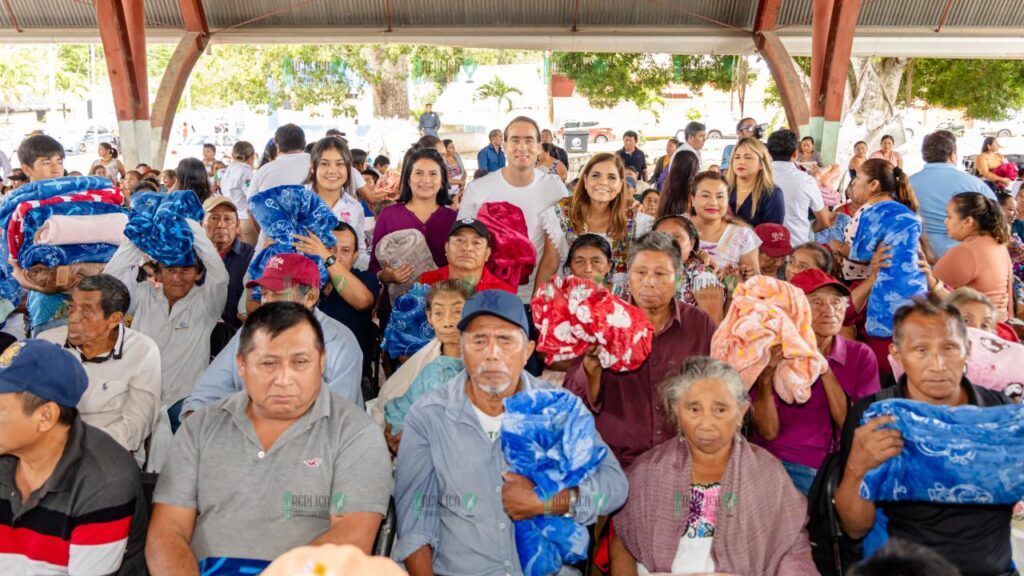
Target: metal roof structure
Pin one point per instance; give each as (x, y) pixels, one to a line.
(921, 28)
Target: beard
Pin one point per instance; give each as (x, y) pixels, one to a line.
(494, 388)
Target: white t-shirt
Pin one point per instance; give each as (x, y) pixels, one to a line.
(350, 211)
(286, 169)
(736, 241)
(234, 183)
(532, 199)
(490, 424)
(801, 194)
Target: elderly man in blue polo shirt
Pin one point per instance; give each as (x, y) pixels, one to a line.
(455, 501)
(294, 278)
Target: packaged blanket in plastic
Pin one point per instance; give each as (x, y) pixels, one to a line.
(954, 455)
(573, 314)
(549, 437)
(406, 247)
(36, 220)
(284, 212)
(408, 329)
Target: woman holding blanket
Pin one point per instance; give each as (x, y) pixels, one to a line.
(709, 501)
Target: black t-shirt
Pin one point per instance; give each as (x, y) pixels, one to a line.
(359, 322)
(975, 538)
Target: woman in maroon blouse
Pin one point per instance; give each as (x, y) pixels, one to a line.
(422, 205)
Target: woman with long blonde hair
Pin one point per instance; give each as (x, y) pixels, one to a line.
(753, 195)
(601, 204)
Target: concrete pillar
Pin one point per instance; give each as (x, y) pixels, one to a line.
(787, 79)
(175, 77)
(834, 25)
(123, 32)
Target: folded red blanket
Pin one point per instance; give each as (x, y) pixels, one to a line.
(573, 314)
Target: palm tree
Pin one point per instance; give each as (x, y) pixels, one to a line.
(499, 91)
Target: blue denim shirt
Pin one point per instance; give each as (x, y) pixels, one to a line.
(490, 159)
(448, 487)
(934, 186)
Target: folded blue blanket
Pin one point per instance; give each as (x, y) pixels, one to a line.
(284, 212)
(441, 370)
(549, 437)
(408, 329)
(899, 227)
(157, 225)
(10, 290)
(221, 566)
(32, 253)
(42, 189)
(961, 455)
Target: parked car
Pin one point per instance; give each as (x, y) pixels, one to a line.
(957, 128)
(82, 142)
(595, 131)
(193, 147)
(1017, 159)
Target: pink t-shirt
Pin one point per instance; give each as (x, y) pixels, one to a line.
(806, 431)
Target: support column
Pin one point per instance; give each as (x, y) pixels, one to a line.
(175, 77)
(781, 65)
(123, 32)
(787, 79)
(835, 22)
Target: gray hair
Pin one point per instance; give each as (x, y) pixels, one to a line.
(657, 242)
(114, 295)
(965, 295)
(693, 128)
(694, 369)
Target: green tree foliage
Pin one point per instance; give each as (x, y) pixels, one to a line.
(982, 89)
(609, 79)
(498, 91)
(273, 75)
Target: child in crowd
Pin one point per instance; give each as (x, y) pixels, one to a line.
(649, 201)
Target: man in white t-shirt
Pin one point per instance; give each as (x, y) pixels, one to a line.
(519, 183)
(799, 189)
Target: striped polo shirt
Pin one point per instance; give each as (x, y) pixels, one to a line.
(89, 517)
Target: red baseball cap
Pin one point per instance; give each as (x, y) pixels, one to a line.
(812, 279)
(283, 270)
(774, 240)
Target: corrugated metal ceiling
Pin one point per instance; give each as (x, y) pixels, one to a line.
(511, 14)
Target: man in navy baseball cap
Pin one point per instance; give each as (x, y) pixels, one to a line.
(56, 471)
(44, 370)
(497, 303)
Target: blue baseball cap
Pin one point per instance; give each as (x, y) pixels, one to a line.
(43, 369)
(500, 303)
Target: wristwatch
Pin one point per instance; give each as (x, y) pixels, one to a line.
(573, 499)
(330, 261)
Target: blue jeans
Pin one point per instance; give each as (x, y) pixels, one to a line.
(802, 476)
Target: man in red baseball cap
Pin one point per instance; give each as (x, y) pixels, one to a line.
(288, 278)
(800, 435)
(775, 247)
